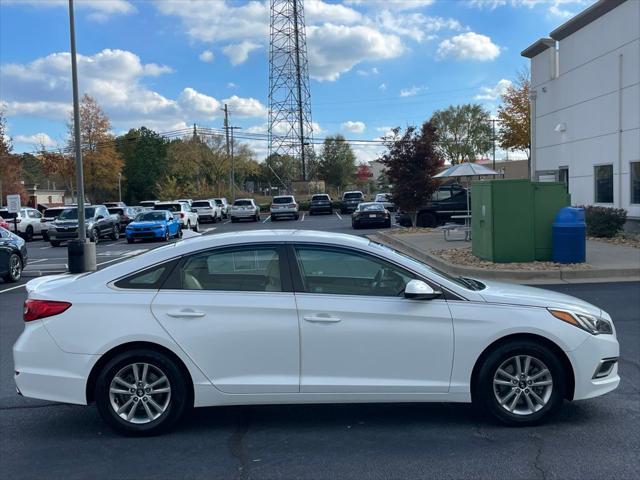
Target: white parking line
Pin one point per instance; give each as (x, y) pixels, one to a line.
(266, 219)
(11, 288)
(302, 220)
(39, 260)
(228, 221)
(210, 229)
(44, 248)
(338, 215)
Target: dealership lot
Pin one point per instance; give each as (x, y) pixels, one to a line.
(590, 439)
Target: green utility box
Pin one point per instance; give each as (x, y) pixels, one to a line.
(511, 219)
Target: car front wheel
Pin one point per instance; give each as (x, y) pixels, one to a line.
(521, 383)
(142, 392)
(14, 272)
(115, 233)
(95, 236)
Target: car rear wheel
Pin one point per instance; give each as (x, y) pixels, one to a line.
(142, 392)
(55, 243)
(14, 270)
(28, 233)
(521, 383)
(130, 240)
(195, 227)
(427, 220)
(115, 233)
(95, 236)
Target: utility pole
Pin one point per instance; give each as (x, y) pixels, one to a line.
(233, 165)
(82, 254)
(493, 124)
(226, 134)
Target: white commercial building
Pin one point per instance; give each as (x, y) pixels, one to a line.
(585, 106)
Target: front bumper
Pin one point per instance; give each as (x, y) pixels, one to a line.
(63, 234)
(142, 234)
(586, 360)
(44, 371)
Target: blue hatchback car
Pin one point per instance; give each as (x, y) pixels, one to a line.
(152, 225)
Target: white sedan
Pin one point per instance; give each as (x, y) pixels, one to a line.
(275, 317)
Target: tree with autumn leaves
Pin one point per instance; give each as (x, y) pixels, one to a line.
(10, 167)
(515, 117)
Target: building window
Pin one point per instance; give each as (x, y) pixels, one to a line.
(563, 176)
(603, 175)
(635, 182)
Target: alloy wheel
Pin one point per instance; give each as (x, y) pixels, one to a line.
(522, 385)
(140, 393)
(15, 267)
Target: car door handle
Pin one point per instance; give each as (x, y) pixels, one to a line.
(186, 313)
(321, 319)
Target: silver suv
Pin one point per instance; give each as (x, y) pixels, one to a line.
(284, 206)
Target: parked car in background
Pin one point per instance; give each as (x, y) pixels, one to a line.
(13, 255)
(182, 211)
(244, 208)
(320, 203)
(385, 199)
(284, 206)
(48, 216)
(446, 201)
(98, 223)
(125, 215)
(148, 204)
(277, 317)
(224, 206)
(207, 210)
(370, 214)
(154, 225)
(28, 220)
(4, 224)
(350, 201)
(115, 204)
(185, 200)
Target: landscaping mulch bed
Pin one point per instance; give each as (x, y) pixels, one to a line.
(463, 256)
(405, 231)
(625, 239)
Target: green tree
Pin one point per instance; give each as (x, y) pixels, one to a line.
(279, 170)
(515, 117)
(411, 161)
(464, 132)
(337, 164)
(145, 162)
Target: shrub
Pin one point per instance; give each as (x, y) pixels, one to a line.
(604, 221)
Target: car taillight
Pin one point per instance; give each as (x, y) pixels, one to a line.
(35, 309)
(182, 215)
(292, 205)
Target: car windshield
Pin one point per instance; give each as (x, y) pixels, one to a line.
(370, 207)
(6, 214)
(172, 207)
(283, 200)
(242, 203)
(72, 213)
(119, 211)
(52, 212)
(147, 204)
(202, 203)
(151, 217)
(218, 201)
(352, 196)
(319, 197)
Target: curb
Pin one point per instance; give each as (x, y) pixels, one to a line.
(518, 276)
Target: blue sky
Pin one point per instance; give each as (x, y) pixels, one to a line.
(167, 64)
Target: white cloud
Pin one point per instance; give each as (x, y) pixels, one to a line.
(555, 8)
(116, 79)
(98, 10)
(367, 72)
(336, 49)
(231, 85)
(36, 140)
(395, 4)
(495, 92)
(469, 46)
(319, 11)
(353, 127)
(245, 107)
(382, 87)
(238, 53)
(206, 56)
(417, 26)
(413, 90)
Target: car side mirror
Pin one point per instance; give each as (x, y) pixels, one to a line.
(419, 290)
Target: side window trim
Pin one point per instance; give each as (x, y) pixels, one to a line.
(171, 265)
(172, 282)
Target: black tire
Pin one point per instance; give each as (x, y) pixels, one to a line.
(14, 271)
(355, 225)
(428, 220)
(297, 216)
(45, 237)
(55, 243)
(274, 218)
(234, 220)
(28, 234)
(179, 234)
(177, 402)
(196, 227)
(95, 236)
(485, 392)
(188, 227)
(387, 224)
(167, 236)
(130, 240)
(256, 217)
(115, 233)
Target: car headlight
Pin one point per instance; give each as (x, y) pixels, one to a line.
(592, 324)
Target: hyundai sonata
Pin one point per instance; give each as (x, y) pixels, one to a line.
(290, 316)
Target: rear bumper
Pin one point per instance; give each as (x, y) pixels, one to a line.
(372, 221)
(586, 360)
(242, 214)
(44, 371)
(285, 212)
(320, 208)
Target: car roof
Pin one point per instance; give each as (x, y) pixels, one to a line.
(243, 199)
(282, 196)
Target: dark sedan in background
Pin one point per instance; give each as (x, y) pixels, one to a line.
(13, 255)
(370, 214)
(320, 203)
(125, 215)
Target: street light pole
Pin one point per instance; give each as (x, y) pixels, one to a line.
(119, 186)
(82, 255)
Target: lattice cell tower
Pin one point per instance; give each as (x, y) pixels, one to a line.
(290, 127)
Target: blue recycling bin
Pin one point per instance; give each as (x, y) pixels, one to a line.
(569, 231)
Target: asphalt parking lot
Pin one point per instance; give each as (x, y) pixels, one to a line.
(597, 438)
